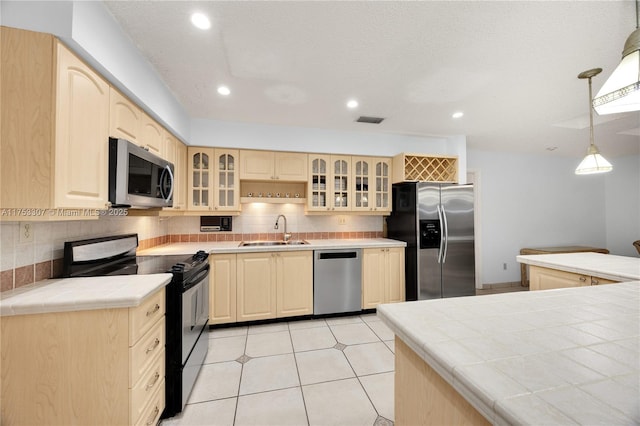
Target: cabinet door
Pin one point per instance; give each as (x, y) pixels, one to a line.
(125, 117)
(395, 285)
(317, 186)
(222, 284)
(291, 166)
(600, 281)
(200, 175)
(151, 135)
(361, 184)
(340, 183)
(82, 132)
(180, 177)
(256, 165)
(381, 185)
(373, 277)
(256, 291)
(226, 185)
(545, 279)
(294, 288)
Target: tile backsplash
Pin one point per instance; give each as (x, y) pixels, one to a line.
(24, 263)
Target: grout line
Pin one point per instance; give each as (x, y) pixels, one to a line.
(295, 360)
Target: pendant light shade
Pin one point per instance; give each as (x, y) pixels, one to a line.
(593, 162)
(621, 92)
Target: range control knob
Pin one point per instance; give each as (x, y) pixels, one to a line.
(200, 255)
(178, 267)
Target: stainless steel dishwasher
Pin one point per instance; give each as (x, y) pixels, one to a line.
(337, 281)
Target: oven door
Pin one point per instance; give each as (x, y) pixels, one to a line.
(195, 311)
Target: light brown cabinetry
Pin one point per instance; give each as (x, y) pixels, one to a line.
(212, 180)
(103, 366)
(274, 285)
(270, 165)
(382, 276)
(55, 115)
(371, 184)
(151, 135)
(124, 117)
(176, 152)
(546, 278)
(425, 168)
(329, 184)
(222, 285)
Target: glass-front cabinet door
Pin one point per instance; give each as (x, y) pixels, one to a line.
(382, 182)
(340, 182)
(317, 186)
(226, 180)
(200, 176)
(362, 167)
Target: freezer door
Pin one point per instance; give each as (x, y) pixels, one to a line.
(430, 285)
(458, 267)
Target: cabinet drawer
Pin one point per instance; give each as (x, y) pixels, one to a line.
(143, 391)
(151, 413)
(143, 353)
(143, 317)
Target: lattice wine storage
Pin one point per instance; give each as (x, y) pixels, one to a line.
(425, 168)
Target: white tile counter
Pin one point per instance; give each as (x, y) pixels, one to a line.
(79, 294)
(562, 356)
(616, 268)
(234, 246)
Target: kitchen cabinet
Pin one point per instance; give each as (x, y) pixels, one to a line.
(151, 135)
(546, 278)
(101, 366)
(55, 111)
(176, 152)
(329, 184)
(274, 285)
(212, 180)
(270, 165)
(124, 117)
(382, 276)
(222, 288)
(371, 184)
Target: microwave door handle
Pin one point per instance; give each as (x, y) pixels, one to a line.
(168, 169)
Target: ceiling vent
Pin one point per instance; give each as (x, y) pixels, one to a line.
(370, 120)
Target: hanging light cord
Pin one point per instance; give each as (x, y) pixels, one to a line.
(637, 15)
(590, 115)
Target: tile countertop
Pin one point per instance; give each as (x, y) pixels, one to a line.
(79, 294)
(234, 246)
(561, 356)
(616, 268)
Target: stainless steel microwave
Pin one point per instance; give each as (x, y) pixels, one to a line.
(137, 177)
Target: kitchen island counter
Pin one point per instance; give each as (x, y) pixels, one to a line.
(234, 246)
(608, 266)
(79, 294)
(560, 356)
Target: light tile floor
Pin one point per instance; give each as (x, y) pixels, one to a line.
(337, 371)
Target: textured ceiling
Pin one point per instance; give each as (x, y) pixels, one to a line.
(511, 66)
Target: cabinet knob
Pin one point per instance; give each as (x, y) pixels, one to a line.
(583, 279)
(108, 204)
(594, 281)
(215, 208)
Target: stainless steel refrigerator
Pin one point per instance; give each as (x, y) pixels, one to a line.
(436, 222)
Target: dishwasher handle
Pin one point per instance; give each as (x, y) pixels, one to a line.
(339, 255)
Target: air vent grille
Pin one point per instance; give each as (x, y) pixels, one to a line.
(370, 120)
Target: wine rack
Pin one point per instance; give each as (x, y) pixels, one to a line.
(425, 168)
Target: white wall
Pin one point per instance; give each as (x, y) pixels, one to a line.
(622, 201)
(90, 30)
(535, 201)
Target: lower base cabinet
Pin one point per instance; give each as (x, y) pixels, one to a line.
(545, 279)
(382, 276)
(94, 367)
(257, 286)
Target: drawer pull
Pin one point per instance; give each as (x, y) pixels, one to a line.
(155, 309)
(583, 279)
(155, 345)
(153, 381)
(153, 415)
(595, 282)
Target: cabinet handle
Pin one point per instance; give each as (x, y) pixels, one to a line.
(594, 281)
(583, 279)
(153, 415)
(154, 346)
(153, 381)
(155, 309)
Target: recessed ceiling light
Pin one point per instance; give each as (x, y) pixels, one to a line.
(200, 20)
(457, 114)
(224, 90)
(352, 104)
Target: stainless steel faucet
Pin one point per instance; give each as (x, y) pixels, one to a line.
(285, 235)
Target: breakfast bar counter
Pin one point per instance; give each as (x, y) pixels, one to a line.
(564, 356)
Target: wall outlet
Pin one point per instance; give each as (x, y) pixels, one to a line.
(26, 232)
(504, 266)
(342, 220)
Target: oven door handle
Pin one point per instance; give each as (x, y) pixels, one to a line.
(201, 275)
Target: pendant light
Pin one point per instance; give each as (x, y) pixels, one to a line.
(621, 92)
(593, 162)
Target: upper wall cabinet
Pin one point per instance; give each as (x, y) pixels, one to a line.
(212, 180)
(151, 135)
(55, 115)
(371, 184)
(328, 187)
(124, 117)
(425, 168)
(270, 165)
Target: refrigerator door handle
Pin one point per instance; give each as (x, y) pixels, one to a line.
(446, 235)
(441, 245)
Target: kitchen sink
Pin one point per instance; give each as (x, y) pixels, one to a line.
(272, 243)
